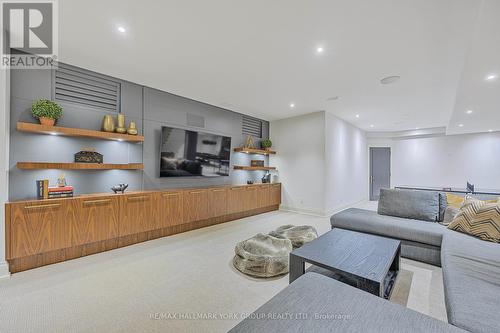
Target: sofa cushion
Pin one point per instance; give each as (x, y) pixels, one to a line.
(471, 275)
(315, 303)
(403, 229)
(479, 219)
(419, 205)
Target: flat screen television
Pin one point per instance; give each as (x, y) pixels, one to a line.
(186, 153)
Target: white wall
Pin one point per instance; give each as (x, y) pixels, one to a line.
(4, 163)
(346, 164)
(321, 161)
(445, 161)
(300, 143)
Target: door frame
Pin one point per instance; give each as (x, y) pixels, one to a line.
(370, 169)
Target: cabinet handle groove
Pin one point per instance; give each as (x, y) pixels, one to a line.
(196, 192)
(42, 206)
(170, 195)
(218, 190)
(92, 202)
(142, 197)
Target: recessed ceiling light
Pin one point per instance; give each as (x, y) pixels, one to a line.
(292, 105)
(372, 126)
(491, 77)
(357, 116)
(460, 125)
(320, 49)
(469, 111)
(490, 130)
(121, 29)
(390, 79)
(417, 128)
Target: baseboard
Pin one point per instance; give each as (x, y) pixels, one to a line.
(4, 270)
(304, 211)
(319, 213)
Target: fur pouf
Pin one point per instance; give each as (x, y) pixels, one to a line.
(298, 235)
(263, 256)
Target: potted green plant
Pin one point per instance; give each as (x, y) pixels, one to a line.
(46, 111)
(266, 144)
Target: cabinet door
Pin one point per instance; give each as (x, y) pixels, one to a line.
(217, 202)
(275, 194)
(38, 227)
(94, 219)
(235, 199)
(250, 200)
(138, 214)
(195, 205)
(262, 196)
(171, 209)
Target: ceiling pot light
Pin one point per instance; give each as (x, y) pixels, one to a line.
(491, 77)
(292, 105)
(390, 79)
(460, 125)
(372, 126)
(357, 116)
(469, 111)
(320, 49)
(121, 29)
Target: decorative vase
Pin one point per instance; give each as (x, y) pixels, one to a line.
(108, 124)
(121, 124)
(47, 121)
(132, 128)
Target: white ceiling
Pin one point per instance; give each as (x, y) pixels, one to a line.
(257, 57)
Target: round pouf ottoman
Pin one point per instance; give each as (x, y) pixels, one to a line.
(298, 235)
(262, 256)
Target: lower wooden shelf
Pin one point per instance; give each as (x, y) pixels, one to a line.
(252, 168)
(79, 166)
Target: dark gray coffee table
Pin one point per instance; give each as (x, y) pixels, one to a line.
(365, 261)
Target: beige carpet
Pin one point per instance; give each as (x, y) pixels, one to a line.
(182, 283)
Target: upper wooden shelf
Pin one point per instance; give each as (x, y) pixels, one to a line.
(77, 132)
(251, 168)
(254, 151)
(79, 166)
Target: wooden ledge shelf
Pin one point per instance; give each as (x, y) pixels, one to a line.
(77, 132)
(79, 166)
(254, 151)
(251, 168)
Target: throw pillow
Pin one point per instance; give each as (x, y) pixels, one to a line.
(449, 215)
(479, 219)
(454, 200)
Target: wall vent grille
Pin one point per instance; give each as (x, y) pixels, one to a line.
(89, 89)
(252, 126)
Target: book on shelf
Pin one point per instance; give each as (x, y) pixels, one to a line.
(60, 195)
(61, 189)
(42, 189)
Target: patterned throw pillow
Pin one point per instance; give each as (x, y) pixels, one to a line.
(479, 219)
(454, 200)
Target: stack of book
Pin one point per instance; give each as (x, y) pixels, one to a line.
(46, 192)
(60, 192)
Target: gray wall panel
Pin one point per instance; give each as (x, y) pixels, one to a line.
(149, 108)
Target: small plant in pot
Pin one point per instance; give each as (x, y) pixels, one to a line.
(46, 111)
(266, 144)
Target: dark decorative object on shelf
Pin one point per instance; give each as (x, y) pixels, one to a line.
(266, 178)
(119, 188)
(470, 187)
(249, 182)
(88, 155)
(257, 163)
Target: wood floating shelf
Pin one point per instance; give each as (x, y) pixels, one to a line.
(254, 151)
(252, 168)
(79, 166)
(77, 132)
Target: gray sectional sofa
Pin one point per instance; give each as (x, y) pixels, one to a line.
(471, 276)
